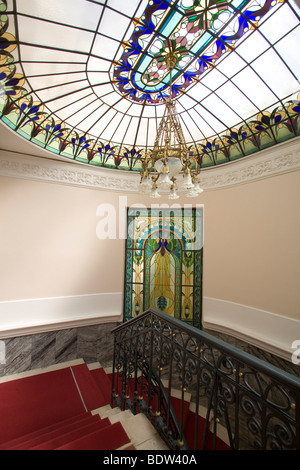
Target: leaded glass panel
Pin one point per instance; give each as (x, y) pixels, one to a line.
(163, 270)
(87, 79)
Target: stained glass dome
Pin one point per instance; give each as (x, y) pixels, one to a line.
(86, 79)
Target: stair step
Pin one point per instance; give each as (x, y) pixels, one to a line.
(30, 403)
(88, 389)
(59, 431)
(107, 411)
(139, 429)
(74, 420)
(39, 371)
(154, 443)
(94, 365)
(119, 415)
(70, 436)
(103, 382)
(110, 438)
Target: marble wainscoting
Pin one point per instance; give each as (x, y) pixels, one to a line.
(90, 343)
(276, 361)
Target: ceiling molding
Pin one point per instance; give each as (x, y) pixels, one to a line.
(270, 162)
(54, 171)
(274, 161)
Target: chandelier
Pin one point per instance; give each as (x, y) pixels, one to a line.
(170, 157)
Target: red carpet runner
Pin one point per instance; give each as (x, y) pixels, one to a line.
(52, 410)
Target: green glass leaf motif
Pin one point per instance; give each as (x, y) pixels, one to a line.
(161, 302)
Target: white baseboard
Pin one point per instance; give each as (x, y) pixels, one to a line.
(271, 332)
(31, 316)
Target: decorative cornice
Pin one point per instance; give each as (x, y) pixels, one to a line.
(282, 158)
(60, 172)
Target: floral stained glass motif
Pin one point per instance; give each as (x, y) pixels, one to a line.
(164, 263)
(87, 79)
(199, 32)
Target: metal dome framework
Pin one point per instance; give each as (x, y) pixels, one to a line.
(87, 79)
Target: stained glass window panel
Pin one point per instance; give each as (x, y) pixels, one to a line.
(57, 53)
(164, 263)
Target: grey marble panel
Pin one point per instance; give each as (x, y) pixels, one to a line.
(87, 343)
(66, 345)
(95, 343)
(18, 354)
(90, 343)
(43, 350)
(105, 345)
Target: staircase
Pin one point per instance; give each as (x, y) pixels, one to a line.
(67, 407)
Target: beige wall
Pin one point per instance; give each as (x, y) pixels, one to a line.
(251, 248)
(48, 243)
(49, 247)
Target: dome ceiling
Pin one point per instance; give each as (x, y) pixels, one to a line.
(86, 79)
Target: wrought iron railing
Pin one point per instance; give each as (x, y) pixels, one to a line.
(256, 404)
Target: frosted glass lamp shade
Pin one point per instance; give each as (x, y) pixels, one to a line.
(145, 184)
(187, 181)
(173, 194)
(164, 181)
(154, 193)
(197, 187)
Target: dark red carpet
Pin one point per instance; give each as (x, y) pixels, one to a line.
(64, 436)
(91, 393)
(112, 437)
(73, 421)
(31, 403)
(52, 410)
(104, 383)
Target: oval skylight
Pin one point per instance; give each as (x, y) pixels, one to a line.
(86, 79)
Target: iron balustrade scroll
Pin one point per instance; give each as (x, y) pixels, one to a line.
(236, 397)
